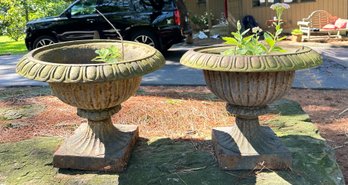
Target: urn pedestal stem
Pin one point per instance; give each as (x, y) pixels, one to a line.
(97, 144)
(247, 145)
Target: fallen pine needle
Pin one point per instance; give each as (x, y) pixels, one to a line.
(180, 178)
(345, 110)
(338, 147)
(192, 169)
(239, 176)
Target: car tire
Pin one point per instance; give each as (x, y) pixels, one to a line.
(146, 37)
(43, 41)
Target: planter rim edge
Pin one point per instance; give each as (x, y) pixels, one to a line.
(303, 58)
(35, 69)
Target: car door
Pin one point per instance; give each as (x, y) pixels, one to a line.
(119, 12)
(80, 23)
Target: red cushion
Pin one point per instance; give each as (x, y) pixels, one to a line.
(329, 27)
(341, 23)
(333, 19)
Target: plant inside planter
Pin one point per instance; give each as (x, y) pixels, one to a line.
(250, 45)
(250, 75)
(109, 55)
(296, 35)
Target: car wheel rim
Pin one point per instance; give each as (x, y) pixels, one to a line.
(145, 39)
(44, 42)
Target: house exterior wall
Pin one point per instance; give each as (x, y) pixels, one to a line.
(297, 11)
(234, 12)
(195, 7)
(199, 7)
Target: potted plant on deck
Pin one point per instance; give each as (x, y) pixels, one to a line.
(97, 89)
(249, 75)
(296, 35)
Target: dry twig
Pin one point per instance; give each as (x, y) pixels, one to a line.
(345, 110)
(192, 169)
(180, 178)
(338, 147)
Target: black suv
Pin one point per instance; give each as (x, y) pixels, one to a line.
(158, 23)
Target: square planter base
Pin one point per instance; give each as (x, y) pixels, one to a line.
(86, 150)
(235, 151)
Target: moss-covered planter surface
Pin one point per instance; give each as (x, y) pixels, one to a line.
(209, 58)
(165, 161)
(70, 62)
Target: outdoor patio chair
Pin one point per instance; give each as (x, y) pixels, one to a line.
(322, 21)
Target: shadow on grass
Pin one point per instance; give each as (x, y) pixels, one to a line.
(166, 161)
(177, 161)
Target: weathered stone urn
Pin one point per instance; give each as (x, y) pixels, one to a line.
(248, 84)
(97, 90)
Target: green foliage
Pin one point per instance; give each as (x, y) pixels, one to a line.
(12, 19)
(250, 45)
(15, 14)
(9, 46)
(108, 55)
(296, 32)
(202, 20)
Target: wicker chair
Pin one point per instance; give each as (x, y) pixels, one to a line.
(315, 22)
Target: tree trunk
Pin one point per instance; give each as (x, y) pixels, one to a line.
(25, 5)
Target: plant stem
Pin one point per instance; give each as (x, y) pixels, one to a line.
(118, 33)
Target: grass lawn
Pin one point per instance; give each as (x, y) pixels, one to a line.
(9, 46)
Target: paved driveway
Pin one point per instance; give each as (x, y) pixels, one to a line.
(8, 76)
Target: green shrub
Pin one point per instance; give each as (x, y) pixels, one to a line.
(296, 32)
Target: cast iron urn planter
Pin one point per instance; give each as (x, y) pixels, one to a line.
(248, 84)
(97, 90)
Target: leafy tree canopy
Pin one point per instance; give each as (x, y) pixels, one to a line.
(15, 14)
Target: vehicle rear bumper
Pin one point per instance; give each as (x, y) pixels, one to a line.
(28, 43)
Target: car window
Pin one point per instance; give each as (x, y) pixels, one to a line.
(152, 5)
(107, 6)
(83, 7)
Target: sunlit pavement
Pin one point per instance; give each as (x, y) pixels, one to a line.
(333, 74)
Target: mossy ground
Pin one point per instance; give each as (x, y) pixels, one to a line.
(182, 161)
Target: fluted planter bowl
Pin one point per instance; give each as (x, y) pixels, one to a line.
(248, 84)
(97, 90)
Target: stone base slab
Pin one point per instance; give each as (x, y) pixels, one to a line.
(112, 156)
(247, 155)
